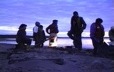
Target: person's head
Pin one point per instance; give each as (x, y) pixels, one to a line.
(22, 26)
(41, 27)
(112, 27)
(99, 21)
(55, 21)
(75, 13)
(37, 23)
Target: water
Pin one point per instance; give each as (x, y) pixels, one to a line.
(62, 42)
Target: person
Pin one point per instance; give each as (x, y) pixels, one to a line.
(52, 29)
(97, 34)
(77, 26)
(21, 37)
(111, 35)
(35, 32)
(41, 36)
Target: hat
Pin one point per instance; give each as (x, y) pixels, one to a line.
(22, 26)
(37, 23)
(112, 27)
(55, 20)
(99, 20)
(75, 13)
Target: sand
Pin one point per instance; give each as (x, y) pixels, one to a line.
(52, 60)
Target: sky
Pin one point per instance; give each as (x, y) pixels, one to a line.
(15, 12)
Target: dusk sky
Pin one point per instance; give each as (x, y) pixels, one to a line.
(15, 12)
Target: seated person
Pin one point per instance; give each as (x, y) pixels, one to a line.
(21, 37)
(111, 35)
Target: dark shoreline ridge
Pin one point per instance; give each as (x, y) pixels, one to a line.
(14, 36)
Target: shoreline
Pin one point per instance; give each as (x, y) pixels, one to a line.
(62, 41)
(14, 36)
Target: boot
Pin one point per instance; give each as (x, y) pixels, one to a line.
(28, 47)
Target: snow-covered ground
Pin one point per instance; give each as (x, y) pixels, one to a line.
(51, 60)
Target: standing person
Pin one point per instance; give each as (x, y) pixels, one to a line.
(97, 34)
(111, 35)
(41, 36)
(21, 37)
(77, 26)
(35, 32)
(52, 29)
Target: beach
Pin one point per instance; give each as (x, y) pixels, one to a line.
(61, 41)
(52, 60)
(64, 57)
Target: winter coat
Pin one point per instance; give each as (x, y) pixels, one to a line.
(77, 24)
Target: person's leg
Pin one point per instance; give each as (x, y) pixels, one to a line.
(21, 44)
(28, 42)
(35, 38)
(35, 43)
(95, 46)
(77, 42)
(53, 40)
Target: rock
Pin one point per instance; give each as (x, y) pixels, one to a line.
(97, 64)
(59, 61)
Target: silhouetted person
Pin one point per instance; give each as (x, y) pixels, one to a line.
(52, 29)
(111, 35)
(41, 36)
(77, 26)
(35, 32)
(21, 37)
(97, 34)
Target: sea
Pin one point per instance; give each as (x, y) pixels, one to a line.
(61, 42)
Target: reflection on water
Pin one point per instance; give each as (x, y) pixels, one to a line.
(87, 43)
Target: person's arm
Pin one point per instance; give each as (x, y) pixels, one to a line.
(57, 30)
(92, 31)
(44, 36)
(83, 23)
(103, 30)
(47, 29)
(72, 23)
(111, 36)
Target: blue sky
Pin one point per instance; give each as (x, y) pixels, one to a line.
(15, 12)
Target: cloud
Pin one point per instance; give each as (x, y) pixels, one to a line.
(11, 28)
(64, 0)
(69, 0)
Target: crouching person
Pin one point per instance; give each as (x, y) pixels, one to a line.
(111, 36)
(23, 41)
(97, 34)
(111, 43)
(41, 37)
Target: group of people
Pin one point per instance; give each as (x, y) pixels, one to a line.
(96, 32)
(38, 35)
(75, 33)
(77, 27)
